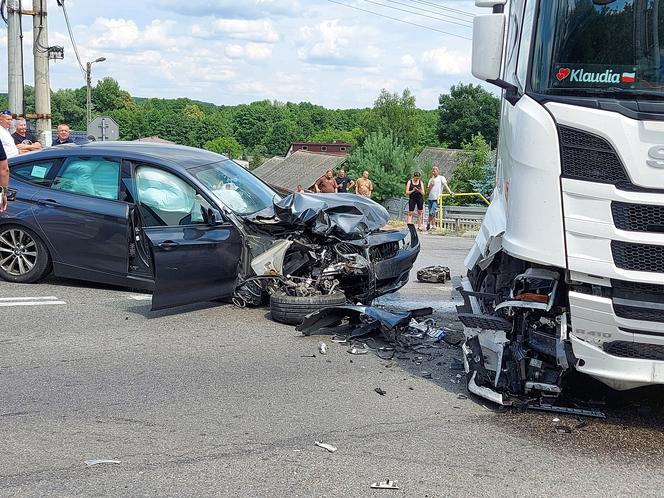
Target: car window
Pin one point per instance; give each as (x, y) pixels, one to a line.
(37, 173)
(164, 199)
(95, 176)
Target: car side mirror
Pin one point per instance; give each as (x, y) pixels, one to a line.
(215, 217)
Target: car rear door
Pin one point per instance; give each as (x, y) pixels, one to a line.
(195, 254)
(83, 219)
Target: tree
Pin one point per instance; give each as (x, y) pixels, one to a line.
(396, 114)
(225, 145)
(279, 137)
(465, 112)
(257, 156)
(388, 162)
(472, 170)
(108, 96)
(330, 135)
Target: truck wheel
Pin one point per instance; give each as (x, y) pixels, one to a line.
(292, 309)
(24, 257)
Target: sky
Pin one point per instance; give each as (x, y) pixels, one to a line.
(230, 52)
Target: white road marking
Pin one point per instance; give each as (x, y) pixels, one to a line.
(30, 303)
(141, 297)
(35, 298)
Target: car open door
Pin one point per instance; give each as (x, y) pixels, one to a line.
(193, 263)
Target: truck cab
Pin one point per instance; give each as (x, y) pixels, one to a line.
(567, 272)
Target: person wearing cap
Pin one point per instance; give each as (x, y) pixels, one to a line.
(5, 137)
(4, 179)
(415, 193)
(25, 141)
(64, 136)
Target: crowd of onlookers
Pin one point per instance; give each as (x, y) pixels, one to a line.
(23, 140)
(415, 191)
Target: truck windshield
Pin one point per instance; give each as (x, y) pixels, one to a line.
(600, 48)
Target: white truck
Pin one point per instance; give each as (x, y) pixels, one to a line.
(567, 272)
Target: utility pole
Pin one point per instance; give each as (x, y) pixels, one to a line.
(88, 89)
(15, 58)
(42, 84)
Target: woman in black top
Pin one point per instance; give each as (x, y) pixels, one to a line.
(415, 193)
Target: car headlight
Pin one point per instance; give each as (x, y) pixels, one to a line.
(406, 242)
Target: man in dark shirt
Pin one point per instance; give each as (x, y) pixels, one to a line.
(63, 135)
(4, 178)
(326, 184)
(344, 183)
(24, 140)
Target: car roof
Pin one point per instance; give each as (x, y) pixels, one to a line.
(173, 154)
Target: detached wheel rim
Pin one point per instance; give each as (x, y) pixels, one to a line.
(18, 252)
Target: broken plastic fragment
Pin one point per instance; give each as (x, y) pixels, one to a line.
(563, 429)
(385, 485)
(380, 391)
(355, 350)
(326, 446)
(322, 347)
(90, 463)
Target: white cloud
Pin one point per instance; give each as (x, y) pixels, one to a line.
(408, 61)
(443, 61)
(246, 9)
(333, 43)
(234, 51)
(258, 51)
(255, 30)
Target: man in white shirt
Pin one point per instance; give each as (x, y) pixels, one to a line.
(436, 184)
(5, 137)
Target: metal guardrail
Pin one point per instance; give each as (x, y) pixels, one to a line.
(441, 201)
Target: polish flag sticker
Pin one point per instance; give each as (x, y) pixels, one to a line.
(628, 78)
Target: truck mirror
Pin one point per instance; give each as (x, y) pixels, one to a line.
(488, 35)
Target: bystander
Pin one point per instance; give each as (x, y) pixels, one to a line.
(326, 184)
(364, 186)
(5, 137)
(343, 182)
(25, 141)
(64, 135)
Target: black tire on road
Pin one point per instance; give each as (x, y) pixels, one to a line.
(292, 309)
(24, 258)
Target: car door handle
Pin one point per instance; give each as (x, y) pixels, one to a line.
(168, 245)
(47, 202)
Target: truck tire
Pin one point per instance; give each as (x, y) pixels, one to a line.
(291, 310)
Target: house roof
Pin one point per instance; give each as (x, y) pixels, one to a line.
(300, 168)
(446, 159)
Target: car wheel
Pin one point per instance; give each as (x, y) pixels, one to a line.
(292, 309)
(24, 257)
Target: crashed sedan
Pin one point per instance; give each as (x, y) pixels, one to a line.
(191, 225)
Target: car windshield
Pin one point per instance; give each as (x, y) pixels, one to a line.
(600, 48)
(235, 187)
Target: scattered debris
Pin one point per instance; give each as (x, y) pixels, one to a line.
(385, 485)
(322, 347)
(461, 396)
(427, 375)
(326, 446)
(563, 429)
(339, 340)
(456, 364)
(544, 407)
(308, 356)
(355, 350)
(555, 420)
(380, 391)
(90, 463)
(434, 274)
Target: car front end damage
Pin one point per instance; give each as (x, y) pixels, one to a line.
(312, 245)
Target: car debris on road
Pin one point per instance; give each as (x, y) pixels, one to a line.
(434, 274)
(326, 446)
(387, 484)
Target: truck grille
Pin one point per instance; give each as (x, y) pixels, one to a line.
(624, 349)
(635, 313)
(637, 290)
(383, 251)
(638, 217)
(589, 157)
(638, 257)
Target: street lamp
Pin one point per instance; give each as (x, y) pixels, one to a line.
(88, 82)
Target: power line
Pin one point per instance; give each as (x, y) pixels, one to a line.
(399, 20)
(71, 35)
(463, 22)
(449, 9)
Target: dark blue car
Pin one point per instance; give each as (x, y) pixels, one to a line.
(190, 225)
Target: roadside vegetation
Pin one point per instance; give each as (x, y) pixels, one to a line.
(386, 138)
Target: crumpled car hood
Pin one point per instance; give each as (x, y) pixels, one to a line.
(346, 216)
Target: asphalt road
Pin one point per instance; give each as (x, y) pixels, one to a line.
(215, 400)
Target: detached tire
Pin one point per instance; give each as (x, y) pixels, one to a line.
(24, 258)
(291, 310)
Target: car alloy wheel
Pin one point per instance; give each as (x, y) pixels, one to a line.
(23, 256)
(18, 252)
